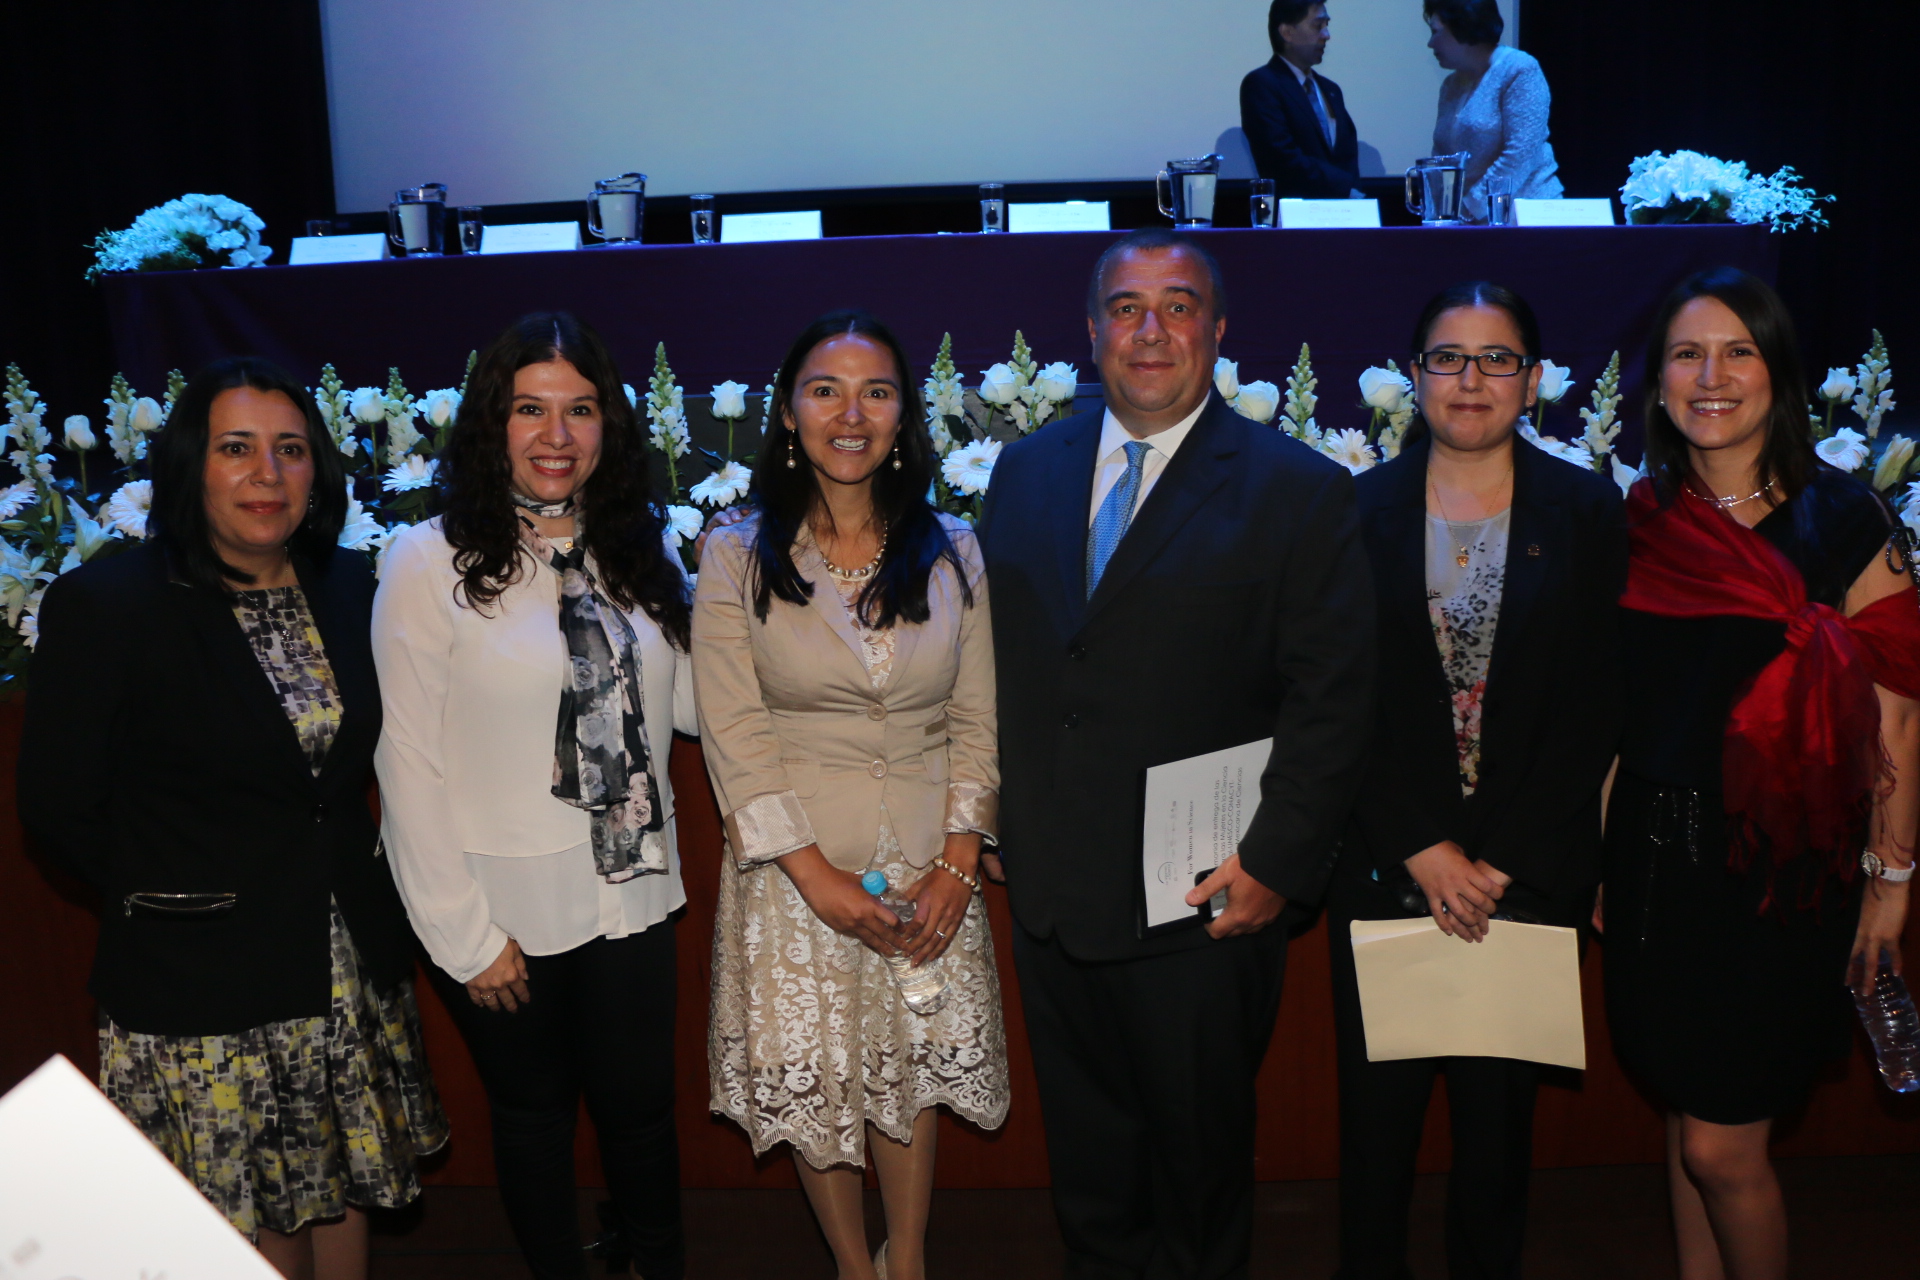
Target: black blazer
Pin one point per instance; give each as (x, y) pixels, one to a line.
(1238, 606)
(156, 759)
(1552, 715)
(1286, 139)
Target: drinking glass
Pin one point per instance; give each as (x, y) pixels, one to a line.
(470, 228)
(993, 207)
(1499, 205)
(319, 226)
(701, 214)
(1262, 204)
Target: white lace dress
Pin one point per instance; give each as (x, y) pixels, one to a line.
(808, 1039)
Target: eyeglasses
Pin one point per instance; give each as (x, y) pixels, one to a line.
(1493, 364)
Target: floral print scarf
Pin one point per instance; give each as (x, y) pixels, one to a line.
(600, 757)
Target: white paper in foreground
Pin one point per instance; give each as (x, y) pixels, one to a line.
(84, 1194)
(1197, 811)
(1424, 994)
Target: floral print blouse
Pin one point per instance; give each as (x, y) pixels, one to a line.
(1466, 575)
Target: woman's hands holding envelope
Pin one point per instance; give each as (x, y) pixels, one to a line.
(1461, 894)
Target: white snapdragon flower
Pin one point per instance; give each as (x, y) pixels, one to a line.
(1893, 464)
(402, 435)
(684, 524)
(1226, 377)
(1910, 508)
(1838, 387)
(670, 431)
(727, 485)
(439, 408)
(1385, 389)
(367, 404)
(1057, 381)
(1575, 453)
(998, 385)
(1350, 449)
(1845, 449)
(730, 401)
(15, 497)
(1257, 400)
(411, 472)
(633, 398)
(126, 511)
(78, 433)
(1554, 382)
(969, 469)
(360, 530)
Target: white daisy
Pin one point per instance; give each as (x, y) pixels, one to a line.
(1350, 449)
(1845, 449)
(126, 511)
(969, 469)
(684, 524)
(727, 485)
(411, 472)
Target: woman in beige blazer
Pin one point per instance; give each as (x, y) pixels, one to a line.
(843, 665)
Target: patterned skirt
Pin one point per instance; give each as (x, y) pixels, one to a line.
(809, 1041)
(290, 1122)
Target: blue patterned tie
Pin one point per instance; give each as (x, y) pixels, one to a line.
(1320, 109)
(1115, 514)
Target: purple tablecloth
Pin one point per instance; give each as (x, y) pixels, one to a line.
(729, 311)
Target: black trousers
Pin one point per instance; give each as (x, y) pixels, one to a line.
(1383, 1108)
(1146, 1074)
(600, 1024)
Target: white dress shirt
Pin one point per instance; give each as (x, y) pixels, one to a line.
(1110, 463)
(480, 847)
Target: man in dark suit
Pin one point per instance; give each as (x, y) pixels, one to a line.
(1296, 120)
(1169, 579)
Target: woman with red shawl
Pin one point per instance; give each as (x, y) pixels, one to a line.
(1762, 823)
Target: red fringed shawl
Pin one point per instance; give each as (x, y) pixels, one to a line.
(1802, 752)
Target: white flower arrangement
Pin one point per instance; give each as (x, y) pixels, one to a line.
(1025, 392)
(1690, 187)
(667, 412)
(193, 231)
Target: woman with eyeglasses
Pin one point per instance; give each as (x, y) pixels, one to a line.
(1497, 567)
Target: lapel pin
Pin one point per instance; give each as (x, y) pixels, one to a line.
(1533, 548)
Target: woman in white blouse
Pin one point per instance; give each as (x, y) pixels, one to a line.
(531, 644)
(1493, 107)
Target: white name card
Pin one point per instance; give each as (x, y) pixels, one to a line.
(531, 237)
(756, 228)
(83, 1193)
(312, 250)
(1594, 212)
(1062, 215)
(1295, 214)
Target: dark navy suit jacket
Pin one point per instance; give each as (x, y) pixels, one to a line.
(1285, 135)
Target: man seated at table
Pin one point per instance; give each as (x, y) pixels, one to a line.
(1297, 121)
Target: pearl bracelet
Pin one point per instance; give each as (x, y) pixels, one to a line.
(941, 862)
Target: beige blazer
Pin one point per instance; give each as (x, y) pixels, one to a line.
(800, 746)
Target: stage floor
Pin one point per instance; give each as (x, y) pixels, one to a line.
(1848, 1220)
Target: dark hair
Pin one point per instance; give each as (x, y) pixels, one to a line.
(621, 526)
(1153, 240)
(787, 496)
(1468, 21)
(1286, 13)
(1787, 458)
(1474, 293)
(177, 455)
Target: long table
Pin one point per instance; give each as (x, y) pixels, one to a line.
(729, 311)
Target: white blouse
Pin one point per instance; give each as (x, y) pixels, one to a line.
(1500, 119)
(480, 847)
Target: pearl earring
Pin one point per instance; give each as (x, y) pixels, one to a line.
(896, 455)
(790, 462)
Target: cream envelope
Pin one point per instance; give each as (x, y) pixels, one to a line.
(1424, 994)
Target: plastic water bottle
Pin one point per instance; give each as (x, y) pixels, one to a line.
(1894, 1027)
(922, 987)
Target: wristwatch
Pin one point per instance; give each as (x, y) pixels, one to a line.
(1877, 870)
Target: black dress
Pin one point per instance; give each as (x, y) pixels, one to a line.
(1725, 1009)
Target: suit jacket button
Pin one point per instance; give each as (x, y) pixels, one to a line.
(1077, 652)
(1070, 721)
(878, 768)
(876, 712)
(320, 813)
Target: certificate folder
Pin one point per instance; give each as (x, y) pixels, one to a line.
(1197, 811)
(1424, 994)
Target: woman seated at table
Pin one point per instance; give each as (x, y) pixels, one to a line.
(254, 966)
(844, 662)
(1493, 107)
(1497, 567)
(531, 644)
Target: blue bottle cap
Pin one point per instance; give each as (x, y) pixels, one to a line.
(874, 883)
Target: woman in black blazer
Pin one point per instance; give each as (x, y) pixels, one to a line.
(257, 1018)
(1497, 568)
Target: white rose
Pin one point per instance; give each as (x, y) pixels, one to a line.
(730, 401)
(440, 407)
(1258, 400)
(1838, 387)
(146, 415)
(368, 404)
(1384, 389)
(999, 386)
(1893, 463)
(1845, 449)
(1554, 381)
(1226, 377)
(79, 433)
(1057, 381)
